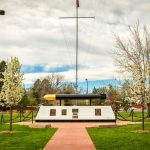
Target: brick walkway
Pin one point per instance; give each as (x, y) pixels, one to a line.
(70, 136)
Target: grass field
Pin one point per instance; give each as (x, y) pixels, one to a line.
(137, 116)
(16, 117)
(120, 138)
(116, 138)
(24, 138)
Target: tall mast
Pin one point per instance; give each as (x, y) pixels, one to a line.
(76, 17)
(77, 5)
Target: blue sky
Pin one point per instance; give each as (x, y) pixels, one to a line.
(32, 31)
(41, 68)
(98, 83)
(82, 84)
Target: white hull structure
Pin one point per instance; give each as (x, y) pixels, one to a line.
(75, 113)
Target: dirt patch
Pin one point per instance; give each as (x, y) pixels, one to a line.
(141, 131)
(7, 132)
(107, 126)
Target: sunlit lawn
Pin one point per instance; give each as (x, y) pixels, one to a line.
(16, 117)
(137, 116)
(116, 138)
(24, 138)
(121, 138)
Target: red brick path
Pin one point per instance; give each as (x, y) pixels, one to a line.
(70, 136)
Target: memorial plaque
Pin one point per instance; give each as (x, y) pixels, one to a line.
(97, 112)
(75, 110)
(52, 112)
(74, 117)
(64, 112)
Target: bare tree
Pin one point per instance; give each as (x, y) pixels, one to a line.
(133, 58)
(55, 82)
(51, 84)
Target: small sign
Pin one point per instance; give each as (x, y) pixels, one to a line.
(2, 12)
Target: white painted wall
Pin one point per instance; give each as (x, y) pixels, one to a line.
(85, 113)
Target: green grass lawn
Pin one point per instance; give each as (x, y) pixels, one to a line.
(120, 138)
(24, 138)
(16, 117)
(116, 138)
(137, 116)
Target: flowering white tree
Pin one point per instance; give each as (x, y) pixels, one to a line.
(12, 89)
(133, 58)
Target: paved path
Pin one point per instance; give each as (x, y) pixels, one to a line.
(70, 136)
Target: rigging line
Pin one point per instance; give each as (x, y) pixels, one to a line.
(91, 39)
(91, 36)
(67, 45)
(88, 47)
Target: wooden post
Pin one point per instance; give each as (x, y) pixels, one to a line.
(132, 112)
(116, 111)
(142, 112)
(32, 116)
(148, 110)
(10, 118)
(2, 118)
(20, 114)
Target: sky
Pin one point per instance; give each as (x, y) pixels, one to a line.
(32, 31)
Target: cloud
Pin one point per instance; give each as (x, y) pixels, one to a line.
(32, 31)
(69, 75)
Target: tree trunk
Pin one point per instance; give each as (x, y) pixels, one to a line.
(142, 113)
(10, 118)
(2, 118)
